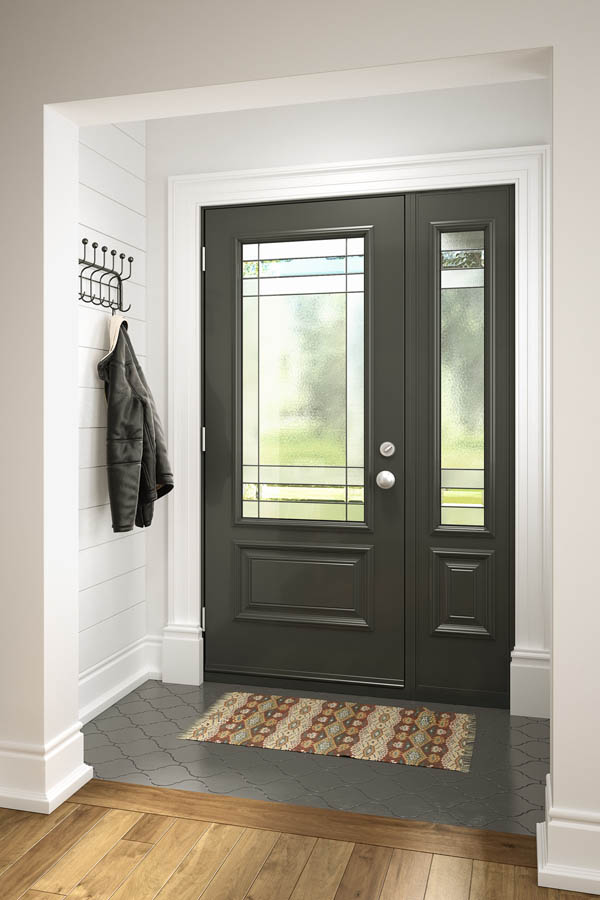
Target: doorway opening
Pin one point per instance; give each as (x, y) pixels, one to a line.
(170, 709)
(359, 474)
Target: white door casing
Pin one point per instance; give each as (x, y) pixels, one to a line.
(528, 169)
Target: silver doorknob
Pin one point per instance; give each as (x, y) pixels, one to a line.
(385, 480)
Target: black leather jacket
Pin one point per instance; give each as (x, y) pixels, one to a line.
(138, 469)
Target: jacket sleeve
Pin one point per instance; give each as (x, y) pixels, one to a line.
(124, 443)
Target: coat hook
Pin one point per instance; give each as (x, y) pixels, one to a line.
(104, 277)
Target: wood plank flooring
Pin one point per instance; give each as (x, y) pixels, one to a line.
(131, 842)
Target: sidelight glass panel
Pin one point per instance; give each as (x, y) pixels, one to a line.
(462, 371)
(303, 380)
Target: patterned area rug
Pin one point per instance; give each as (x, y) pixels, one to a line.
(413, 737)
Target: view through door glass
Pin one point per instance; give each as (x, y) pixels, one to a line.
(303, 385)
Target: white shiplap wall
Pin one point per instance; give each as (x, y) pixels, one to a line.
(116, 651)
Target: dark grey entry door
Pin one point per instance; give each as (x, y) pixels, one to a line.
(358, 464)
(304, 316)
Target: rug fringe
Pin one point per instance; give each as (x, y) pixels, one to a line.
(468, 745)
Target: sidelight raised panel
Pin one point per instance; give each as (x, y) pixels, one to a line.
(462, 593)
(304, 584)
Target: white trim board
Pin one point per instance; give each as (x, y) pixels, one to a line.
(56, 768)
(341, 84)
(572, 835)
(111, 679)
(527, 168)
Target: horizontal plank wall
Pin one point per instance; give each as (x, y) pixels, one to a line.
(116, 652)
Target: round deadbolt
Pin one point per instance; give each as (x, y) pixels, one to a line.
(387, 448)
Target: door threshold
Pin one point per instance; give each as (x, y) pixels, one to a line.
(379, 831)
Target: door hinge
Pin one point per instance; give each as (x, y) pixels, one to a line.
(203, 619)
(203, 438)
(204, 259)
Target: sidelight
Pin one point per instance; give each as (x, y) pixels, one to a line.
(303, 379)
(462, 377)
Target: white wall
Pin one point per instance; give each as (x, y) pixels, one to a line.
(47, 56)
(114, 651)
(473, 118)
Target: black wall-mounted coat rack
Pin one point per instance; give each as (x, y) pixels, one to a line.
(101, 280)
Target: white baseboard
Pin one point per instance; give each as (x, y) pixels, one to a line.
(105, 683)
(38, 778)
(568, 848)
(530, 677)
(182, 660)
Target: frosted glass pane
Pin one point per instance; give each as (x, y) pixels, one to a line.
(355, 283)
(462, 379)
(462, 240)
(355, 379)
(303, 381)
(356, 512)
(356, 476)
(318, 511)
(321, 265)
(249, 491)
(462, 516)
(356, 246)
(250, 382)
(250, 510)
(462, 497)
(462, 478)
(303, 475)
(293, 492)
(462, 392)
(356, 264)
(462, 259)
(356, 494)
(294, 249)
(459, 278)
(311, 284)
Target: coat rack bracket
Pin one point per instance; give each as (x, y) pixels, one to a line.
(101, 277)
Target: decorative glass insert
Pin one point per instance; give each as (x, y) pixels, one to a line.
(462, 370)
(303, 380)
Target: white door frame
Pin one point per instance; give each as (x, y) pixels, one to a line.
(527, 168)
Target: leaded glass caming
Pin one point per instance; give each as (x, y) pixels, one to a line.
(462, 371)
(303, 379)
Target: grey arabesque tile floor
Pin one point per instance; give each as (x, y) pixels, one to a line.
(137, 741)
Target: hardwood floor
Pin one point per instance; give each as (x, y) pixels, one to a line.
(129, 842)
